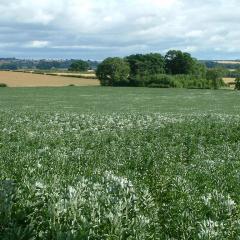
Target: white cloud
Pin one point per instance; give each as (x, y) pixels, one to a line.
(113, 27)
(37, 44)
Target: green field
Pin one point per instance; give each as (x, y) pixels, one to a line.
(128, 100)
(119, 163)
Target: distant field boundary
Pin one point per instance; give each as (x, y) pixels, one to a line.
(227, 62)
(73, 75)
(85, 75)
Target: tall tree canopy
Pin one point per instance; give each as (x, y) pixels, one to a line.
(140, 64)
(178, 62)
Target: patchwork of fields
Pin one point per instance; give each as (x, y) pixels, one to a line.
(119, 163)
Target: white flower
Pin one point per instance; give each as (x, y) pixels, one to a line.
(39, 185)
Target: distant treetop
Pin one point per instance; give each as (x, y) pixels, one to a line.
(79, 66)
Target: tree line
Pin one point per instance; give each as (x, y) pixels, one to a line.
(175, 69)
(71, 65)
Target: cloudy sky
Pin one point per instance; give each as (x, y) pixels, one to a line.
(95, 29)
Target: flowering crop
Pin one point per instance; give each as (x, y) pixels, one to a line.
(119, 176)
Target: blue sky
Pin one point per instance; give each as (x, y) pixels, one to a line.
(96, 29)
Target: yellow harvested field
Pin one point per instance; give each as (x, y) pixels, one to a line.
(76, 74)
(229, 80)
(20, 79)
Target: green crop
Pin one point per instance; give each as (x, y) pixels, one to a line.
(119, 175)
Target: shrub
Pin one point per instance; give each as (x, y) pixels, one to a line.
(237, 83)
(191, 81)
(161, 81)
(215, 78)
(170, 81)
(139, 81)
(3, 85)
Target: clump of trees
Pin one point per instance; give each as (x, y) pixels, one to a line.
(79, 66)
(47, 65)
(176, 69)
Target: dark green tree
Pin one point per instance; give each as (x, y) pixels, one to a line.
(146, 64)
(178, 62)
(79, 66)
(113, 72)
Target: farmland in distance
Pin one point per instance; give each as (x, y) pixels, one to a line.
(21, 79)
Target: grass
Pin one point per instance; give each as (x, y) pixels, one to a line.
(119, 163)
(109, 100)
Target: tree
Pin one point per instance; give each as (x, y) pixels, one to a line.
(47, 65)
(9, 66)
(199, 70)
(215, 76)
(177, 62)
(237, 83)
(148, 64)
(113, 72)
(79, 66)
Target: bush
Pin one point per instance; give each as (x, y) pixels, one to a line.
(237, 83)
(3, 85)
(139, 81)
(215, 77)
(191, 81)
(161, 81)
(170, 81)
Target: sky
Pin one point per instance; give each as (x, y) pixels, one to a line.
(96, 29)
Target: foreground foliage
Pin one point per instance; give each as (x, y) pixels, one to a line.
(3, 85)
(119, 176)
